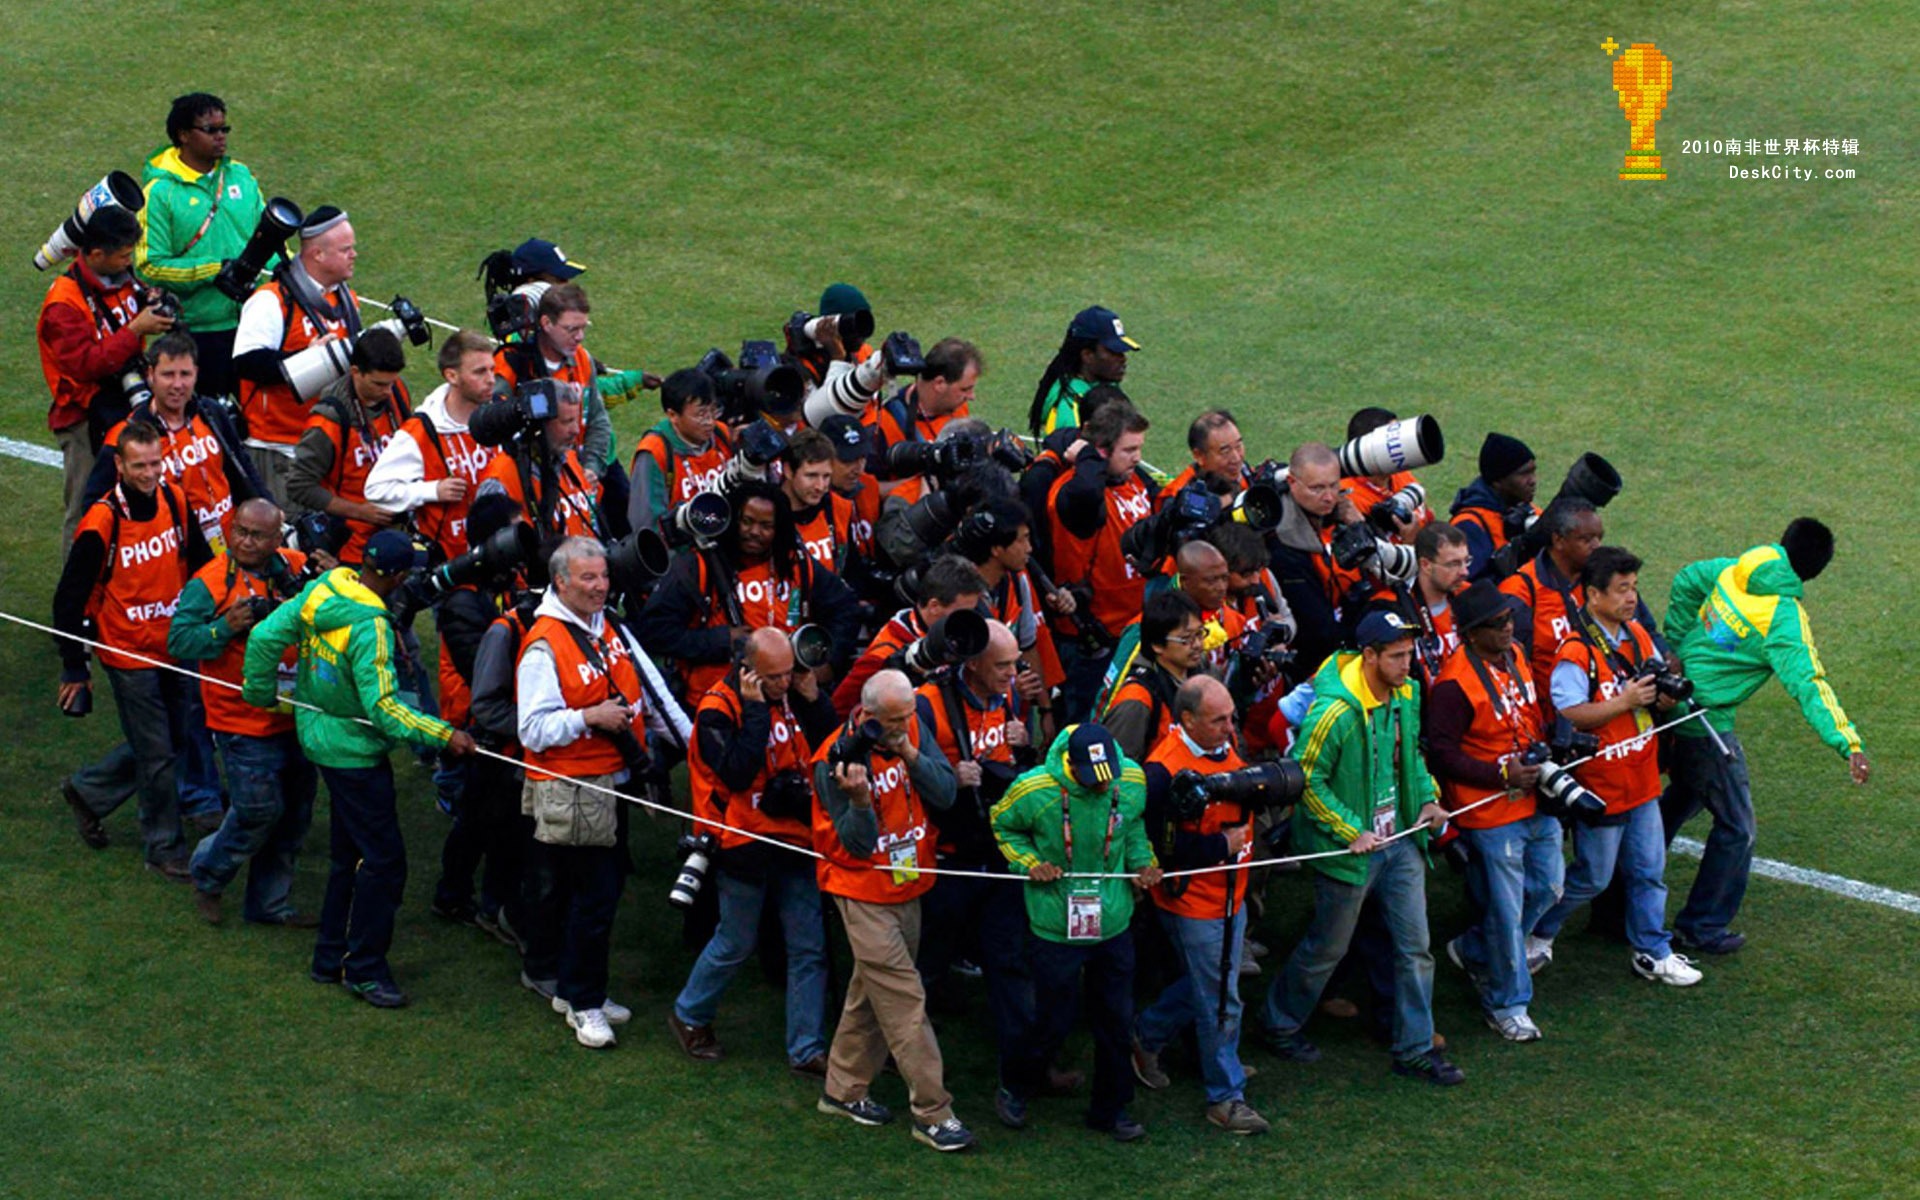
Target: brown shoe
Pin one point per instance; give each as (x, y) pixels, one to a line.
(300, 920)
(697, 1040)
(812, 1068)
(1439, 1041)
(208, 905)
(173, 870)
(92, 832)
(204, 823)
(1340, 1008)
(1062, 1083)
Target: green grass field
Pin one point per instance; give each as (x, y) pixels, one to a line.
(1412, 205)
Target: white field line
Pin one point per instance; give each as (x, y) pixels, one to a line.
(1839, 885)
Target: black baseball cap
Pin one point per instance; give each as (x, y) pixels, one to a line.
(1102, 325)
(537, 256)
(391, 552)
(849, 437)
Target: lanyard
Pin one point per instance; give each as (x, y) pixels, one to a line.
(1113, 823)
(1507, 714)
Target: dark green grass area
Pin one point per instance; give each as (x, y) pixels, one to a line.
(1297, 214)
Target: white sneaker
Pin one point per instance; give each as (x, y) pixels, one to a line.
(1674, 969)
(1255, 949)
(616, 1013)
(1517, 1028)
(1539, 953)
(590, 1028)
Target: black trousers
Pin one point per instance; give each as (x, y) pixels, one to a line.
(1059, 971)
(487, 824)
(572, 892)
(367, 871)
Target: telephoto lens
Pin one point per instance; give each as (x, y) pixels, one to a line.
(698, 850)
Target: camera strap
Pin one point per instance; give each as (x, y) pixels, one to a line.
(1507, 711)
(590, 649)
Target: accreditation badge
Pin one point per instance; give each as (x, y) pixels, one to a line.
(1386, 816)
(1083, 911)
(904, 858)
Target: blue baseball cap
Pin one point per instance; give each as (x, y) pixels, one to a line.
(1102, 325)
(537, 256)
(391, 552)
(1092, 756)
(1384, 629)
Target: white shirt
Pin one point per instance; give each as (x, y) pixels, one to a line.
(397, 483)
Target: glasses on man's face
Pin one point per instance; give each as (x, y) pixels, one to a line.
(213, 129)
(241, 532)
(1186, 639)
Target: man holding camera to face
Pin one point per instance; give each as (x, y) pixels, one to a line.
(1607, 681)
(918, 412)
(579, 692)
(1205, 916)
(1485, 740)
(539, 470)
(270, 782)
(875, 781)
(948, 585)
(749, 770)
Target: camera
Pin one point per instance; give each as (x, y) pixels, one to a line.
(699, 521)
(803, 330)
(532, 405)
(1397, 510)
(279, 220)
(116, 189)
(81, 704)
(635, 561)
(954, 639)
(1010, 450)
(1267, 644)
(165, 303)
(697, 851)
(944, 458)
(511, 315)
(1189, 515)
(755, 447)
(1590, 478)
(411, 321)
(318, 532)
(1261, 785)
(763, 382)
(1559, 792)
(1671, 685)
(1357, 545)
(812, 647)
(788, 796)
(1564, 744)
(1257, 507)
(1396, 446)
(134, 388)
(261, 606)
(902, 355)
(857, 743)
(506, 551)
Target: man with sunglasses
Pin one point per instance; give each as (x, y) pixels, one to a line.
(201, 208)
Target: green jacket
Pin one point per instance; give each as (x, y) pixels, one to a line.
(178, 201)
(1026, 824)
(1736, 621)
(1337, 749)
(346, 670)
(1062, 406)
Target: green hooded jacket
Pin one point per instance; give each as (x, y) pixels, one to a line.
(1734, 622)
(1341, 742)
(1026, 824)
(178, 201)
(345, 639)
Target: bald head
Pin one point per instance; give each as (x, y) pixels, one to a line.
(887, 691)
(990, 673)
(1313, 454)
(1203, 574)
(770, 656)
(255, 535)
(260, 509)
(1313, 478)
(1204, 709)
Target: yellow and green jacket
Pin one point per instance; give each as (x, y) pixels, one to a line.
(1346, 747)
(168, 256)
(345, 639)
(1735, 622)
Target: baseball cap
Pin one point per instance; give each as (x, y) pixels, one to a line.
(1092, 757)
(391, 552)
(1383, 629)
(1102, 325)
(849, 437)
(537, 256)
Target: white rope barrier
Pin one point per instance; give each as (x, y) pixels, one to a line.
(669, 810)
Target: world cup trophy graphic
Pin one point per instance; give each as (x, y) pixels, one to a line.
(1643, 78)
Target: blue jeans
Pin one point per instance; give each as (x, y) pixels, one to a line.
(1398, 874)
(153, 706)
(1639, 848)
(802, 920)
(366, 874)
(1194, 1000)
(1698, 777)
(1521, 870)
(272, 785)
(198, 774)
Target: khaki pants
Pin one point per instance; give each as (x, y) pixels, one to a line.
(273, 468)
(886, 1011)
(76, 463)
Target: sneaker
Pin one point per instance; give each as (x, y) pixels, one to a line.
(92, 832)
(1248, 966)
(1011, 1109)
(1674, 969)
(330, 978)
(455, 914)
(1433, 1066)
(1727, 943)
(207, 904)
(1290, 1046)
(946, 1136)
(381, 993)
(966, 968)
(864, 1111)
(173, 870)
(1146, 1067)
(1236, 1117)
(1517, 1028)
(697, 1040)
(495, 925)
(543, 988)
(616, 1013)
(1539, 954)
(590, 1028)
(1476, 974)
(1254, 949)
(1122, 1129)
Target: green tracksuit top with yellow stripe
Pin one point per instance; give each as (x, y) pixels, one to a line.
(346, 669)
(1735, 622)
